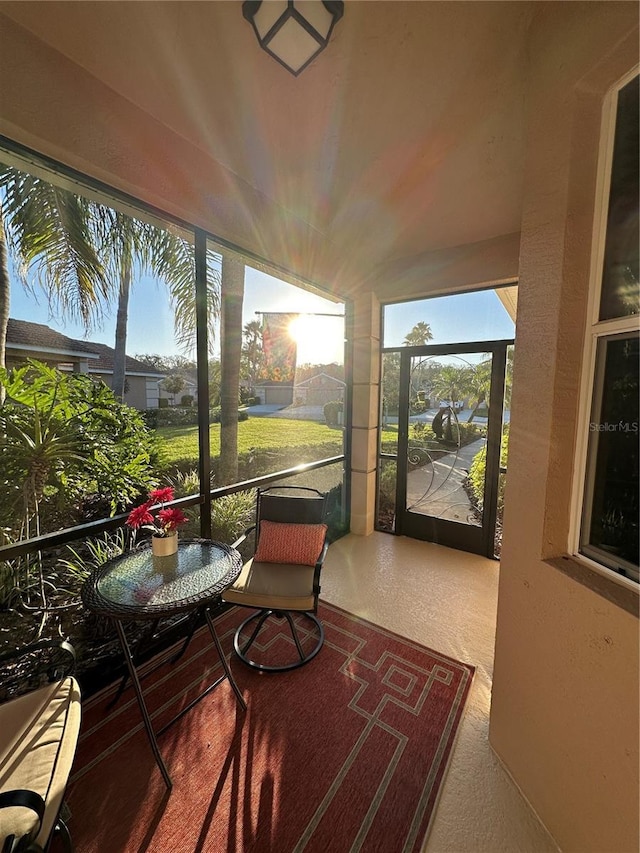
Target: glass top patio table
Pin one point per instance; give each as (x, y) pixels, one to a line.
(139, 585)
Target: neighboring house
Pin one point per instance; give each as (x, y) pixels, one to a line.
(318, 390)
(190, 388)
(273, 393)
(35, 340)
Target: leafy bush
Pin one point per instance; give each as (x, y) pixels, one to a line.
(471, 432)
(331, 411)
(387, 494)
(478, 467)
(231, 515)
(337, 527)
(68, 447)
(214, 415)
(387, 481)
(93, 553)
(182, 416)
(70, 451)
(187, 400)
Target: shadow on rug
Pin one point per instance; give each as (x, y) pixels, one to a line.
(347, 753)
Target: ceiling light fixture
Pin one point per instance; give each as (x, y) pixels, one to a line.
(293, 31)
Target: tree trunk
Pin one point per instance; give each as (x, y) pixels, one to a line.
(232, 293)
(120, 346)
(5, 301)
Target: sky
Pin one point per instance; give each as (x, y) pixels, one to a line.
(453, 319)
(150, 326)
(477, 316)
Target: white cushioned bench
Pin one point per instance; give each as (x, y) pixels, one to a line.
(38, 736)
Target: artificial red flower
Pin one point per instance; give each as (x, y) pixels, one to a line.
(161, 496)
(139, 516)
(171, 518)
(166, 521)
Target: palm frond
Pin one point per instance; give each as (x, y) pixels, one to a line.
(49, 230)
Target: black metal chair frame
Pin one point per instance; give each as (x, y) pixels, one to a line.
(60, 663)
(288, 509)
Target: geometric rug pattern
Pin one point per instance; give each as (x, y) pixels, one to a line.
(347, 753)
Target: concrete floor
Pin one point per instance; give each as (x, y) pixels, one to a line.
(447, 600)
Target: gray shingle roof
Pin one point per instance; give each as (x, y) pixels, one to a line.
(38, 336)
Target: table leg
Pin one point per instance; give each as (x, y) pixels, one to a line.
(143, 708)
(223, 660)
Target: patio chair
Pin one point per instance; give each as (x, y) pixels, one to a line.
(39, 727)
(282, 579)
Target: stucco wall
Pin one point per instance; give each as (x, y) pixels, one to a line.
(564, 716)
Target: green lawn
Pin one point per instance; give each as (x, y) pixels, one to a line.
(264, 433)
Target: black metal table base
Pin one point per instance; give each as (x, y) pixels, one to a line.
(137, 686)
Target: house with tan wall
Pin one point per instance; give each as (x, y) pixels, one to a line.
(35, 340)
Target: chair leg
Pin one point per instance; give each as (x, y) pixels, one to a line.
(261, 616)
(65, 836)
(60, 830)
(294, 634)
(256, 630)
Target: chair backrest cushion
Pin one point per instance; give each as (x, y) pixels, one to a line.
(300, 509)
(299, 544)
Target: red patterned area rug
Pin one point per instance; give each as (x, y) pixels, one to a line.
(347, 753)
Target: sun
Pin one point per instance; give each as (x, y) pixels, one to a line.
(319, 339)
(300, 329)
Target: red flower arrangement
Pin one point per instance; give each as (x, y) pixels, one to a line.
(167, 520)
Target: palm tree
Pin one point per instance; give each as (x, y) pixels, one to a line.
(450, 383)
(84, 252)
(48, 230)
(131, 246)
(419, 335)
(231, 349)
(478, 383)
(252, 350)
(478, 386)
(5, 299)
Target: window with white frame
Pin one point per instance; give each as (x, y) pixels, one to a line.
(609, 526)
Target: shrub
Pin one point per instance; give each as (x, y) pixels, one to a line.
(478, 467)
(214, 415)
(231, 515)
(331, 411)
(68, 443)
(182, 416)
(69, 450)
(187, 400)
(336, 525)
(471, 432)
(387, 494)
(387, 482)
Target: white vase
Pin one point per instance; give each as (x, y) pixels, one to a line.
(164, 546)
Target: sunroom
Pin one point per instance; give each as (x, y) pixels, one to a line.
(431, 150)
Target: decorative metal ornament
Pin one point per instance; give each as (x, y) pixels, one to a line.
(293, 31)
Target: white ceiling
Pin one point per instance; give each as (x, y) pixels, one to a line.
(405, 136)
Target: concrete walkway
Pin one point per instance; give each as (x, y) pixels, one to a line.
(436, 489)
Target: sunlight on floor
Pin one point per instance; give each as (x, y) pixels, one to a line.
(446, 600)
